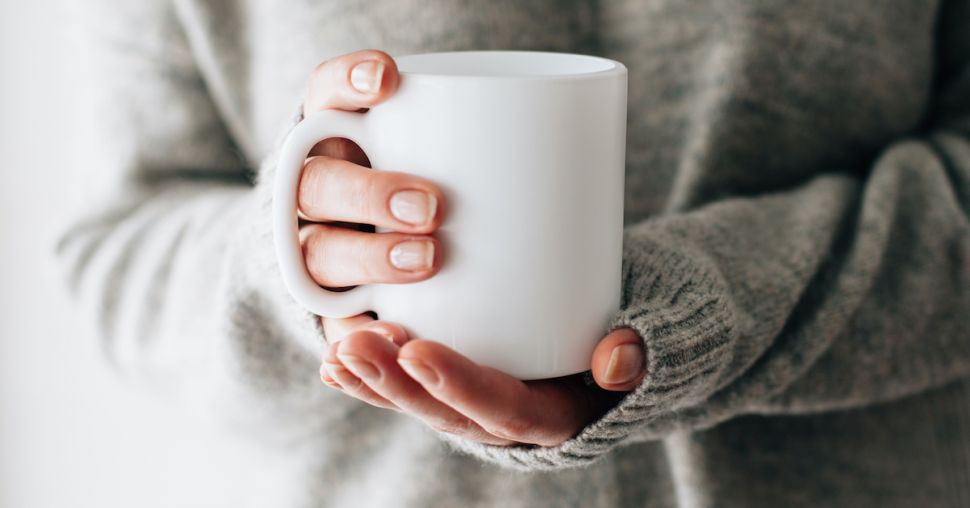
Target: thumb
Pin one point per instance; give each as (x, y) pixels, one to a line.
(619, 361)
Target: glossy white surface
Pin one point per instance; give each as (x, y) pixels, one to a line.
(529, 151)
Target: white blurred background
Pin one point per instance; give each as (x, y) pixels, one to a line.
(71, 433)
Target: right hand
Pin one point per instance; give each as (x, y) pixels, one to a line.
(339, 195)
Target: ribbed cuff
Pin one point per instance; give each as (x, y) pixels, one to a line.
(676, 301)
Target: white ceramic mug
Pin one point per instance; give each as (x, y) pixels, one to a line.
(528, 148)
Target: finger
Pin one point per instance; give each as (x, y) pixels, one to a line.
(544, 413)
(327, 379)
(337, 257)
(374, 360)
(335, 329)
(337, 190)
(343, 149)
(619, 361)
(350, 82)
(350, 383)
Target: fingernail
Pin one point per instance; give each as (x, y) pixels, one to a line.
(419, 371)
(626, 363)
(366, 76)
(413, 255)
(360, 367)
(414, 207)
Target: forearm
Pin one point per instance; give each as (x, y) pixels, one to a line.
(838, 294)
(842, 292)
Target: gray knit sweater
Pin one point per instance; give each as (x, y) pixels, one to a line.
(796, 254)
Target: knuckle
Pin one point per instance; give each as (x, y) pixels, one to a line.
(311, 181)
(323, 169)
(304, 201)
(365, 196)
(334, 187)
(319, 69)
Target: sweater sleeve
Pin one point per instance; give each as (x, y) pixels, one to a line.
(847, 290)
(170, 251)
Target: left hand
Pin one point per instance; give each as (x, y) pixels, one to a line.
(376, 362)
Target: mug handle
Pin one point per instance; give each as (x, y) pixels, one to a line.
(289, 254)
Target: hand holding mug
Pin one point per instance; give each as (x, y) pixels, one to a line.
(376, 361)
(336, 187)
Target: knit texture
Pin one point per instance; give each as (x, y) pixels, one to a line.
(796, 251)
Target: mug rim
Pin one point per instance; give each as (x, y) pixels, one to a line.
(612, 68)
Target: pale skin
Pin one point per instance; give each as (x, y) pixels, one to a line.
(375, 361)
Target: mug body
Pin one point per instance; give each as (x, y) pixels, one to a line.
(528, 149)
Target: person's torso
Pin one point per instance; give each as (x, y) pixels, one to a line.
(726, 98)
